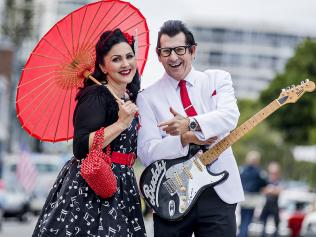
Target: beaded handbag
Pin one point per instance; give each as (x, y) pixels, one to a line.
(96, 168)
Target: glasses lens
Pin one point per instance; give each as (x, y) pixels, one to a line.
(165, 52)
(180, 50)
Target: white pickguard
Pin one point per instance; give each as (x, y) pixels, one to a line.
(199, 178)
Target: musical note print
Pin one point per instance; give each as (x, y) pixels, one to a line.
(51, 230)
(89, 233)
(124, 177)
(133, 192)
(135, 224)
(74, 185)
(125, 219)
(111, 232)
(129, 233)
(77, 229)
(131, 208)
(100, 224)
(89, 205)
(74, 217)
(62, 215)
(106, 204)
(81, 192)
(57, 203)
(74, 203)
(86, 218)
(68, 233)
(113, 213)
(73, 209)
(121, 205)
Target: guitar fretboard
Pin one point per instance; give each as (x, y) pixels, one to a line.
(213, 153)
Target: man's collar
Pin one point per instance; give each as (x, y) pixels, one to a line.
(189, 78)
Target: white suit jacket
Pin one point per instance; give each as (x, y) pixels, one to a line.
(213, 97)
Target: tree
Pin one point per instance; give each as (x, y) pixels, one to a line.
(271, 145)
(17, 25)
(262, 138)
(297, 122)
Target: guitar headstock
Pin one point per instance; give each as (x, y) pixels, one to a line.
(293, 93)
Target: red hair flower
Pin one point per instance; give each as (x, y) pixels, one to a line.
(128, 37)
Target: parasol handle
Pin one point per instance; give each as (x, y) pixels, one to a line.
(87, 74)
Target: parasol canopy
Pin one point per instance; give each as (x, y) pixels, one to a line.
(55, 70)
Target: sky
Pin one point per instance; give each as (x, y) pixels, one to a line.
(294, 15)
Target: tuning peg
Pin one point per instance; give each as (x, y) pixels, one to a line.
(288, 88)
(292, 86)
(306, 80)
(283, 90)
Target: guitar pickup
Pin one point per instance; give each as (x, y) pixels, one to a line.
(187, 172)
(170, 186)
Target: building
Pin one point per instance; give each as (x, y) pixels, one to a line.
(253, 53)
(44, 14)
(6, 65)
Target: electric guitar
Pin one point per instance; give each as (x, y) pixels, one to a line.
(171, 187)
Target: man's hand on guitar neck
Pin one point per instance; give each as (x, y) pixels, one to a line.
(190, 137)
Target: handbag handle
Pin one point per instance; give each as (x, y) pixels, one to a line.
(98, 141)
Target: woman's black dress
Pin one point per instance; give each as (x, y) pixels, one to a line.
(72, 208)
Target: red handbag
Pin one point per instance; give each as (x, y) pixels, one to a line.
(96, 168)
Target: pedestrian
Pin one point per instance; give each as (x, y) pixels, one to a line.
(253, 181)
(272, 192)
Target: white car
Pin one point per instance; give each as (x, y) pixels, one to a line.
(14, 202)
(48, 166)
(309, 225)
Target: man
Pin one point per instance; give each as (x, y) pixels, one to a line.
(271, 206)
(201, 109)
(253, 180)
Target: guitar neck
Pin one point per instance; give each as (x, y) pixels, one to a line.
(212, 154)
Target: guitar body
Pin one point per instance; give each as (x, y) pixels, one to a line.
(171, 187)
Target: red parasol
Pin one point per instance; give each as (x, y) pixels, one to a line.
(51, 77)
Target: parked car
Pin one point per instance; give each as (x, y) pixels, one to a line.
(1, 204)
(48, 167)
(14, 201)
(309, 223)
(289, 202)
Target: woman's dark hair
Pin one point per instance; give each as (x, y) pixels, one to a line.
(107, 40)
(174, 27)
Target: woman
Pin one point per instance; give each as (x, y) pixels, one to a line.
(72, 208)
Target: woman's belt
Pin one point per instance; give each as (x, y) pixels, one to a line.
(123, 159)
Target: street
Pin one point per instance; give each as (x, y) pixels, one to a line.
(14, 228)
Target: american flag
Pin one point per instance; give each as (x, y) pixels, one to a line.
(26, 171)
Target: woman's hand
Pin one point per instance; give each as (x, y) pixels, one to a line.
(126, 113)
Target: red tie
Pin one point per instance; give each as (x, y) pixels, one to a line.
(186, 102)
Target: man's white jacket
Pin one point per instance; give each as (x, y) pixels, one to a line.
(212, 94)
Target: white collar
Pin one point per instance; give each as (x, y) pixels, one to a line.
(189, 78)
